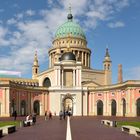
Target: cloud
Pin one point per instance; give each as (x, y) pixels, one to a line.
(19, 16)
(22, 37)
(30, 12)
(31, 36)
(117, 24)
(3, 33)
(11, 21)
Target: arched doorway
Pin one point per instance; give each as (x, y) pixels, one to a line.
(123, 107)
(47, 82)
(113, 108)
(67, 103)
(36, 107)
(23, 107)
(99, 107)
(13, 106)
(138, 107)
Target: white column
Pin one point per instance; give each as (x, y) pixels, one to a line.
(74, 77)
(108, 104)
(86, 59)
(80, 77)
(93, 103)
(56, 77)
(58, 71)
(50, 59)
(82, 60)
(62, 78)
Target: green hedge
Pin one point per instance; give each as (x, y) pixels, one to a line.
(4, 123)
(136, 124)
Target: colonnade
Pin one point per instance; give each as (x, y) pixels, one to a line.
(76, 77)
(82, 56)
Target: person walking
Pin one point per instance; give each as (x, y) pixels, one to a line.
(45, 115)
(15, 115)
(50, 115)
(64, 115)
(60, 115)
(34, 118)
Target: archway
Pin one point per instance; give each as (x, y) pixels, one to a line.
(99, 107)
(67, 103)
(124, 106)
(46, 82)
(36, 107)
(13, 106)
(138, 107)
(23, 107)
(113, 108)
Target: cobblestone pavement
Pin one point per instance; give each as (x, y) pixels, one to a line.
(54, 129)
(90, 128)
(82, 128)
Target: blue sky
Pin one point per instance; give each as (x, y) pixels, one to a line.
(26, 26)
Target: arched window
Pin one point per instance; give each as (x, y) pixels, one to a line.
(124, 106)
(113, 108)
(99, 107)
(138, 107)
(36, 70)
(47, 82)
(36, 107)
(23, 107)
(108, 67)
(105, 66)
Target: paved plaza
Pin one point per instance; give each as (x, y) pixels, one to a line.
(82, 128)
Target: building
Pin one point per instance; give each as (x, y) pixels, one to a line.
(70, 83)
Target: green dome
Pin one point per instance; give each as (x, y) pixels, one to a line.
(71, 28)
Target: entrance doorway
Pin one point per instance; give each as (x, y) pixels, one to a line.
(68, 103)
(36, 107)
(138, 107)
(124, 106)
(113, 108)
(99, 107)
(23, 108)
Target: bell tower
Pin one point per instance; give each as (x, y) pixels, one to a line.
(35, 67)
(107, 68)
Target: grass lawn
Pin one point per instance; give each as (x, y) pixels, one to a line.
(4, 123)
(136, 124)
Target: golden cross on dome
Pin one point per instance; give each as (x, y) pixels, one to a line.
(69, 8)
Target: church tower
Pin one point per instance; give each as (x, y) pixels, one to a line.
(107, 68)
(35, 67)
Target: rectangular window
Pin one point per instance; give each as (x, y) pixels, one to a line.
(68, 78)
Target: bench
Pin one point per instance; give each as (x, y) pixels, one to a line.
(8, 129)
(109, 123)
(138, 133)
(27, 123)
(0, 133)
(131, 130)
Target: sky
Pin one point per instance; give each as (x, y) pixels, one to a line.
(27, 26)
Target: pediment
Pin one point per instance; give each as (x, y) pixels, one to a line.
(90, 84)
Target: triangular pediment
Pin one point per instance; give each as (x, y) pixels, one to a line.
(90, 84)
